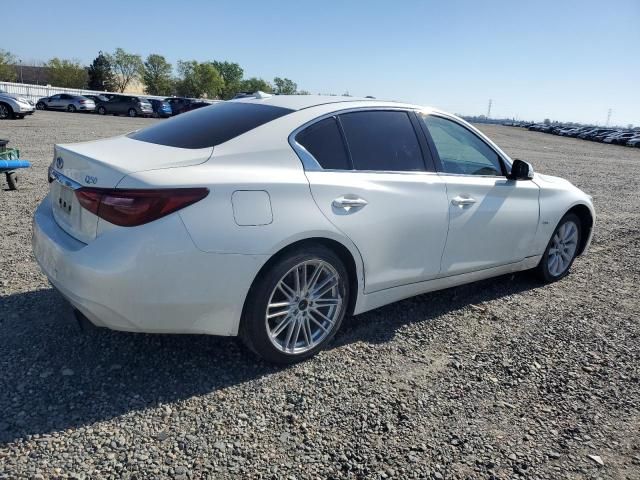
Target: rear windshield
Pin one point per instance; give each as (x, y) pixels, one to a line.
(209, 126)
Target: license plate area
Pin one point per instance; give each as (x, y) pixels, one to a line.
(65, 201)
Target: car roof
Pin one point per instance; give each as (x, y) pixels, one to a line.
(299, 102)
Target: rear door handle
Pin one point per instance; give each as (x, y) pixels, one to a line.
(462, 201)
(349, 202)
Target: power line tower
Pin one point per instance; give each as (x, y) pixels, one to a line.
(489, 109)
(608, 117)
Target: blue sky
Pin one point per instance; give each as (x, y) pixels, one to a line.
(565, 60)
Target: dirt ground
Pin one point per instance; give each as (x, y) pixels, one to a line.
(505, 378)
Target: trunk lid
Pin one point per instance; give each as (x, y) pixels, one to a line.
(103, 164)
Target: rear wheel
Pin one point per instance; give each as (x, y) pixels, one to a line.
(132, 112)
(561, 250)
(71, 108)
(6, 111)
(297, 306)
(102, 111)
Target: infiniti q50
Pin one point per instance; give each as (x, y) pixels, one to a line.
(273, 217)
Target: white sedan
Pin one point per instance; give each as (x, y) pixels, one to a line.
(274, 217)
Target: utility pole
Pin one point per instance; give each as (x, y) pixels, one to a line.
(21, 78)
(608, 117)
(489, 109)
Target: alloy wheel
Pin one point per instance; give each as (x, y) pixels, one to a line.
(4, 111)
(564, 245)
(304, 307)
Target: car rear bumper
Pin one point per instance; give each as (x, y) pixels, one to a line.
(149, 278)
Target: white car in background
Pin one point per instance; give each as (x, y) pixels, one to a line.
(12, 106)
(273, 217)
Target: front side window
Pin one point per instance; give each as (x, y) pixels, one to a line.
(461, 151)
(382, 140)
(324, 141)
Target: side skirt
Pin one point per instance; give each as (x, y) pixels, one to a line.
(373, 300)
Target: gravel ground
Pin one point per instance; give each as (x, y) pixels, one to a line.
(501, 379)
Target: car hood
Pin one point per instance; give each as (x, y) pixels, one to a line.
(8, 95)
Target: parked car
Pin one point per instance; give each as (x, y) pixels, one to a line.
(620, 138)
(66, 101)
(180, 104)
(273, 218)
(126, 105)
(196, 104)
(14, 106)
(160, 107)
(634, 142)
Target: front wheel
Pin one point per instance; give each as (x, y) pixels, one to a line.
(561, 250)
(6, 111)
(296, 307)
(41, 106)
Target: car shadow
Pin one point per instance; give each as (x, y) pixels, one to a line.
(56, 376)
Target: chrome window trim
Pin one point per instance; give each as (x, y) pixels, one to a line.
(309, 162)
(66, 181)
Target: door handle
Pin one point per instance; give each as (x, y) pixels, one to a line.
(462, 201)
(349, 202)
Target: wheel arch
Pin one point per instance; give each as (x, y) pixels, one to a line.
(351, 260)
(583, 212)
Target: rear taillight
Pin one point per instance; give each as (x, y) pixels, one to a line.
(129, 208)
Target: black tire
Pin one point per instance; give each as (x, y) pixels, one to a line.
(71, 108)
(41, 106)
(6, 112)
(102, 110)
(542, 270)
(12, 180)
(253, 327)
(18, 116)
(132, 112)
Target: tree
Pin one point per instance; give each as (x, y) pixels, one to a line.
(100, 74)
(67, 73)
(284, 86)
(157, 75)
(7, 66)
(254, 84)
(232, 74)
(126, 67)
(303, 92)
(199, 79)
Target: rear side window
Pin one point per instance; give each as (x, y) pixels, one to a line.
(209, 126)
(324, 141)
(382, 140)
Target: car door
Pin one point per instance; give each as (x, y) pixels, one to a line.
(371, 174)
(492, 219)
(65, 101)
(116, 104)
(54, 102)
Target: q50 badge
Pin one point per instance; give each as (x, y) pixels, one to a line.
(89, 180)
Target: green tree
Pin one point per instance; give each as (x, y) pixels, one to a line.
(254, 84)
(67, 73)
(100, 74)
(126, 67)
(157, 75)
(7, 66)
(199, 79)
(232, 74)
(285, 86)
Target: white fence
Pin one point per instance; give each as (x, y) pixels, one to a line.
(36, 92)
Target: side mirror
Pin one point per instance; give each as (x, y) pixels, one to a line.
(521, 170)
